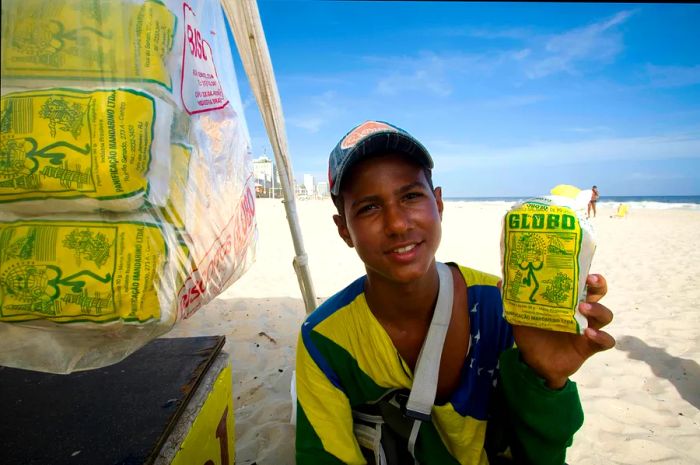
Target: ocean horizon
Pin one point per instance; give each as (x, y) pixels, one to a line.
(657, 202)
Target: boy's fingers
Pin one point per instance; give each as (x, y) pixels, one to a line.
(598, 315)
(596, 287)
(600, 339)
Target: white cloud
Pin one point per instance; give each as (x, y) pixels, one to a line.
(513, 101)
(318, 111)
(249, 102)
(673, 76)
(311, 124)
(452, 156)
(590, 130)
(315, 78)
(420, 79)
(597, 42)
(428, 71)
(486, 32)
(500, 33)
(521, 54)
(647, 176)
(434, 72)
(325, 101)
(537, 56)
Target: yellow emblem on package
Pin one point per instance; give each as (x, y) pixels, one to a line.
(60, 143)
(80, 271)
(544, 269)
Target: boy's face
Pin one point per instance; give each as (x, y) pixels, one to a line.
(391, 217)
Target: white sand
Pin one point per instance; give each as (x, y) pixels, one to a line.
(641, 399)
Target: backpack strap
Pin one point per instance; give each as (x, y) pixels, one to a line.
(422, 397)
(399, 419)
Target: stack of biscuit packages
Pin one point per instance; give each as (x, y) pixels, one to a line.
(126, 193)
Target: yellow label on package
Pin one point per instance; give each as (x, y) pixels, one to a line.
(541, 258)
(76, 271)
(101, 40)
(69, 144)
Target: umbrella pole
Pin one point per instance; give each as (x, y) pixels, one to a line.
(244, 18)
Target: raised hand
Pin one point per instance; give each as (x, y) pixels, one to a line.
(555, 356)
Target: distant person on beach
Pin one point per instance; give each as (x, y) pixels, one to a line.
(591, 203)
(358, 352)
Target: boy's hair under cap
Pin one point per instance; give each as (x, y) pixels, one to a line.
(372, 138)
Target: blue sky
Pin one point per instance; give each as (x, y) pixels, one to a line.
(510, 99)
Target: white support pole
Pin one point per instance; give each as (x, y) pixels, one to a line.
(244, 17)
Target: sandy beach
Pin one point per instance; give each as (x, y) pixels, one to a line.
(641, 399)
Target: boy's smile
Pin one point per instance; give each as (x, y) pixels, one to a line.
(391, 217)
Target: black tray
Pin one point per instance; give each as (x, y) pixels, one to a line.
(118, 415)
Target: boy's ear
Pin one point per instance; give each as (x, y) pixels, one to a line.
(438, 198)
(343, 229)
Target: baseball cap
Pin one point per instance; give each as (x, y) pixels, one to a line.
(371, 138)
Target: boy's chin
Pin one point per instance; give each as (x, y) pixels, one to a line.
(400, 275)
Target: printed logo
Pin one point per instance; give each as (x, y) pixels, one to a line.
(200, 87)
(362, 131)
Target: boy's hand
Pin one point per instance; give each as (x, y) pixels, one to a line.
(554, 355)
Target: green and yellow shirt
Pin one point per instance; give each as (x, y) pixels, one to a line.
(345, 359)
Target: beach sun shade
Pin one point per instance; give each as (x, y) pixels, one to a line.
(244, 17)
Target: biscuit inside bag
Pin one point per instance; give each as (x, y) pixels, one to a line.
(547, 246)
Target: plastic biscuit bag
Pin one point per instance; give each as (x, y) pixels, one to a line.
(92, 269)
(76, 150)
(547, 246)
(126, 190)
(89, 43)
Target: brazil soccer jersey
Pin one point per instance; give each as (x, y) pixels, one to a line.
(345, 359)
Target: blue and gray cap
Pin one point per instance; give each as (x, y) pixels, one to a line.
(372, 138)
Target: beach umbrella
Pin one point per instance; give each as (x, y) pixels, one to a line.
(244, 17)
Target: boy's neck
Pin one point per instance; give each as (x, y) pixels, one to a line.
(400, 304)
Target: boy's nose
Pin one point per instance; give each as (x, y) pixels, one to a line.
(396, 220)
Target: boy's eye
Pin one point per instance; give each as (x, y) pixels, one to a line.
(413, 195)
(366, 208)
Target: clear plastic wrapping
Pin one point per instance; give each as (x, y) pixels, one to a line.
(126, 192)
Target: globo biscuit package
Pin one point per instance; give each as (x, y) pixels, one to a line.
(70, 150)
(126, 190)
(547, 247)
